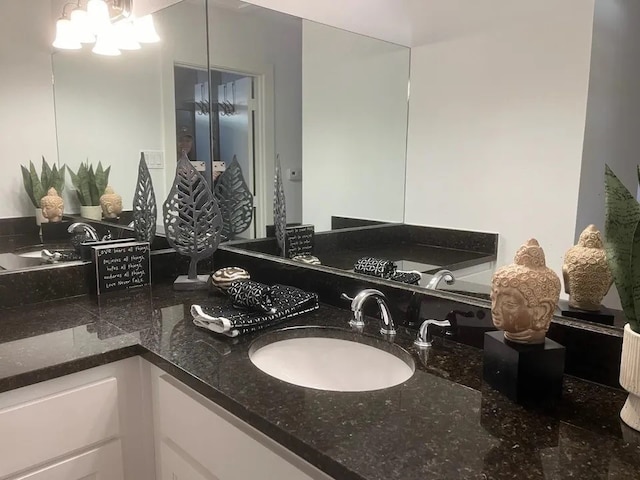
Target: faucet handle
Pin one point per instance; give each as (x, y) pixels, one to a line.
(344, 296)
(423, 340)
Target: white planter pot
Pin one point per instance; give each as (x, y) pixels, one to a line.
(93, 212)
(630, 377)
(39, 218)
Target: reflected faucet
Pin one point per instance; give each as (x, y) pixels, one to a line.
(85, 228)
(445, 275)
(89, 232)
(357, 303)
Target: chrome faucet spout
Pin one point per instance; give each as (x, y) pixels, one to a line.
(424, 338)
(387, 326)
(88, 230)
(445, 275)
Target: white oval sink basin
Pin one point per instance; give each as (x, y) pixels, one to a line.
(314, 360)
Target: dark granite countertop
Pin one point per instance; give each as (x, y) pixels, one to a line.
(443, 423)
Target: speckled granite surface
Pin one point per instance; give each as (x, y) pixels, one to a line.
(443, 423)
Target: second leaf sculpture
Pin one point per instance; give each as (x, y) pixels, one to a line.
(235, 201)
(145, 211)
(192, 220)
(279, 209)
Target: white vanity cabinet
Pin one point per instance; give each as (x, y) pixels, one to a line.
(197, 439)
(129, 420)
(87, 425)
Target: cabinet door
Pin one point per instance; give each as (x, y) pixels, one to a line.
(102, 463)
(226, 447)
(177, 465)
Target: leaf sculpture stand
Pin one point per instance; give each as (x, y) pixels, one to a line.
(235, 201)
(279, 209)
(145, 211)
(192, 222)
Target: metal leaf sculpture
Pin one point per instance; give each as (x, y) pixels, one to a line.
(279, 208)
(622, 232)
(145, 211)
(235, 201)
(192, 219)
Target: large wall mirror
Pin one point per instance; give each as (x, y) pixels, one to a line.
(230, 79)
(329, 104)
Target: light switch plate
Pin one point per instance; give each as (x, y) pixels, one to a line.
(154, 158)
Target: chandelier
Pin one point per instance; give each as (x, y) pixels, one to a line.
(107, 24)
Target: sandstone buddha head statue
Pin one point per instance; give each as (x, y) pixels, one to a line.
(586, 274)
(111, 203)
(524, 296)
(52, 206)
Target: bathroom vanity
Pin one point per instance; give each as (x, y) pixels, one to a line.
(140, 378)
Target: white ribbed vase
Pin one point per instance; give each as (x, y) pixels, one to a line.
(630, 377)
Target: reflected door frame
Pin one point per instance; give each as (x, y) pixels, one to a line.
(264, 136)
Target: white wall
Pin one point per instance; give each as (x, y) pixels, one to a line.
(354, 126)
(496, 125)
(27, 119)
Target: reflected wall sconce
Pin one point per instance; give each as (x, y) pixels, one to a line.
(108, 24)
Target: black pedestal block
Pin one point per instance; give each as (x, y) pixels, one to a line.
(527, 374)
(603, 316)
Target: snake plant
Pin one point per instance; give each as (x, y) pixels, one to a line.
(622, 234)
(90, 183)
(37, 187)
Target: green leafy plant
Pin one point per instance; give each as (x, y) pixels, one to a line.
(37, 187)
(622, 235)
(90, 183)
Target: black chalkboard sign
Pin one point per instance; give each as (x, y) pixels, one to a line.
(121, 266)
(299, 240)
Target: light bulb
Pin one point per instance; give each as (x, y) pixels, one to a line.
(98, 15)
(106, 43)
(82, 26)
(65, 36)
(126, 36)
(145, 30)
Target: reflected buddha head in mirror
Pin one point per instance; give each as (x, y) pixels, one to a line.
(111, 203)
(185, 143)
(524, 296)
(586, 274)
(52, 206)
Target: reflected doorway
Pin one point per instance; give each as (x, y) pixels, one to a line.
(217, 119)
(233, 129)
